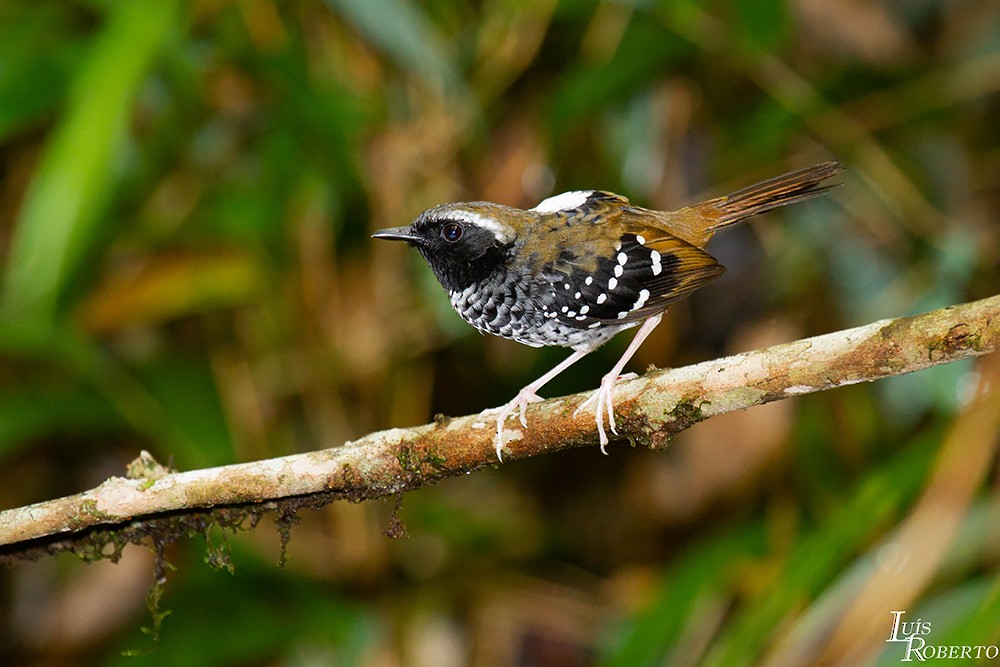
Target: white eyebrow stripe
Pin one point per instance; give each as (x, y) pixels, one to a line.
(566, 201)
(501, 231)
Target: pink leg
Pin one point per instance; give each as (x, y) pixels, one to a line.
(603, 396)
(529, 395)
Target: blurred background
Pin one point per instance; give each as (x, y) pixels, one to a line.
(186, 195)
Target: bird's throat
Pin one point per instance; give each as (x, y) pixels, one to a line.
(456, 274)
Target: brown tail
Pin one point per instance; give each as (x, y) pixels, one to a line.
(788, 188)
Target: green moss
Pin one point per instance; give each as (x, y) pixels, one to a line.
(686, 413)
(285, 521)
(435, 460)
(100, 545)
(412, 462)
(88, 516)
(155, 594)
(405, 458)
(960, 337)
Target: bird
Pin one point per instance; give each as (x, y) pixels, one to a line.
(581, 267)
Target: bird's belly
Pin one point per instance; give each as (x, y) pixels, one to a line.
(513, 315)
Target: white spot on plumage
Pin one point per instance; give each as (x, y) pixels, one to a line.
(613, 283)
(565, 309)
(567, 201)
(594, 325)
(565, 285)
(585, 310)
(640, 239)
(622, 258)
(655, 258)
(641, 301)
(589, 280)
(576, 296)
(571, 313)
(581, 318)
(619, 270)
(622, 314)
(602, 298)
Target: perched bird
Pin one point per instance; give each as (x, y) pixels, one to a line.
(582, 266)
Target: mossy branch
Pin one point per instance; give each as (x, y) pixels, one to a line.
(152, 501)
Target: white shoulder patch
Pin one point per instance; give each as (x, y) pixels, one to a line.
(567, 201)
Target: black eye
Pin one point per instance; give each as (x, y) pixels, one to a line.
(452, 232)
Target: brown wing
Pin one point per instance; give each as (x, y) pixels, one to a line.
(683, 268)
(604, 269)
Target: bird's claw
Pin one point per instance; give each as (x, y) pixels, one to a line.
(603, 402)
(518, 404)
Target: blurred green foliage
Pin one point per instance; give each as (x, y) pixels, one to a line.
(186, 194)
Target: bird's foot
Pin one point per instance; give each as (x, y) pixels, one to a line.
(518, 404)
(603, 403)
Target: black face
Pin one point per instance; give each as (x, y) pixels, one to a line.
(460, 253)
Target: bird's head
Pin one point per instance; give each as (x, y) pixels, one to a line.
(462, 243)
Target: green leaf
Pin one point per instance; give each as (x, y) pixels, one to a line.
(75, 177)
(823, 551)
(30, 413)
(645, 53)
(763, 24)
(405, 34)
(260, 615)
(38, 51)
(689, 586)
(192, 422)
